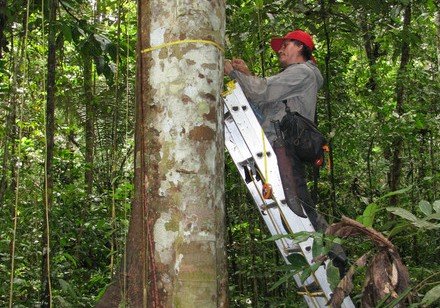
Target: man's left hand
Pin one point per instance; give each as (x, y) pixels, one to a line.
(227, 67)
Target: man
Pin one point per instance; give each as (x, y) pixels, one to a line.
(296, 87)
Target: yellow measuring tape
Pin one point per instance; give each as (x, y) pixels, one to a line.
(267, 188)
(230, 87)
(266, 174)
(179, 42)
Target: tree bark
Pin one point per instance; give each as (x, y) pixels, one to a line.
(175, 243)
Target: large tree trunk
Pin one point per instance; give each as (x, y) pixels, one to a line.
(175, 243)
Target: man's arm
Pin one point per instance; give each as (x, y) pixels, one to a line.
(279, 87)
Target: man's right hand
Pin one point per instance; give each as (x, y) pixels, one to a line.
(240, 65)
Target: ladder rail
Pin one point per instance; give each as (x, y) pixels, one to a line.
(246, 143)
(273, 220)
(274, 225)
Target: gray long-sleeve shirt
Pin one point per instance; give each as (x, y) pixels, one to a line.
(298, 84)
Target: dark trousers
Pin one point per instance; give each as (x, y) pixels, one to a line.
(302, 193)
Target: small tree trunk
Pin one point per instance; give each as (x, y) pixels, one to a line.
(9, 151)
(373, 54)
(89, 125)
(397, 144)
(437, 22)
(3, 20)
(327, 94)
(46, 296)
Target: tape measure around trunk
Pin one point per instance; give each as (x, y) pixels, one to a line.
(178, 42)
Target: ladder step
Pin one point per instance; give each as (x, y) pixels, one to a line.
(247, 161)
(269, 205)
(293, 249)
(311, 290)
(311, 294)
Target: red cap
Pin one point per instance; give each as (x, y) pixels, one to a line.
(298, 35)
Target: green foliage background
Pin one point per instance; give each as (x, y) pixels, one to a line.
(358, 110)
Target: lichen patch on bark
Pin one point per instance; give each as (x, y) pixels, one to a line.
(164, 238)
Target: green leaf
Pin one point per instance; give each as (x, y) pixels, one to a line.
(309, 271)
(318, 248)
(399, 228)
(425, 207)
(402, 213)
(67, 32)
(282, 280)
(435, 216)
(259, 4)
(315, 266)
(419, 223)
(367, 217)
(383, 304)
(333, 275)
(431, 296)
(397, 192)
(301, 237)
(70, 258)
(297, 261)
(61, 302)
(305, 274)
(436, 206)
(67, 5)
(365, 200)
(65, 286)
(423, 224)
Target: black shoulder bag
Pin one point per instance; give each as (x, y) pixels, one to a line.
(302, 137)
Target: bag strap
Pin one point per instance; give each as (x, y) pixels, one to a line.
(286, 108)
(307, 121)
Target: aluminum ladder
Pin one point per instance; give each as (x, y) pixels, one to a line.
(246, 144)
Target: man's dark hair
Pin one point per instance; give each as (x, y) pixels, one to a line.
(305, 51)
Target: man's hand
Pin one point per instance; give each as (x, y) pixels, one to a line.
(227, 67)
(240, 65)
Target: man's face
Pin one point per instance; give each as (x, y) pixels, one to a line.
(289, 53)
